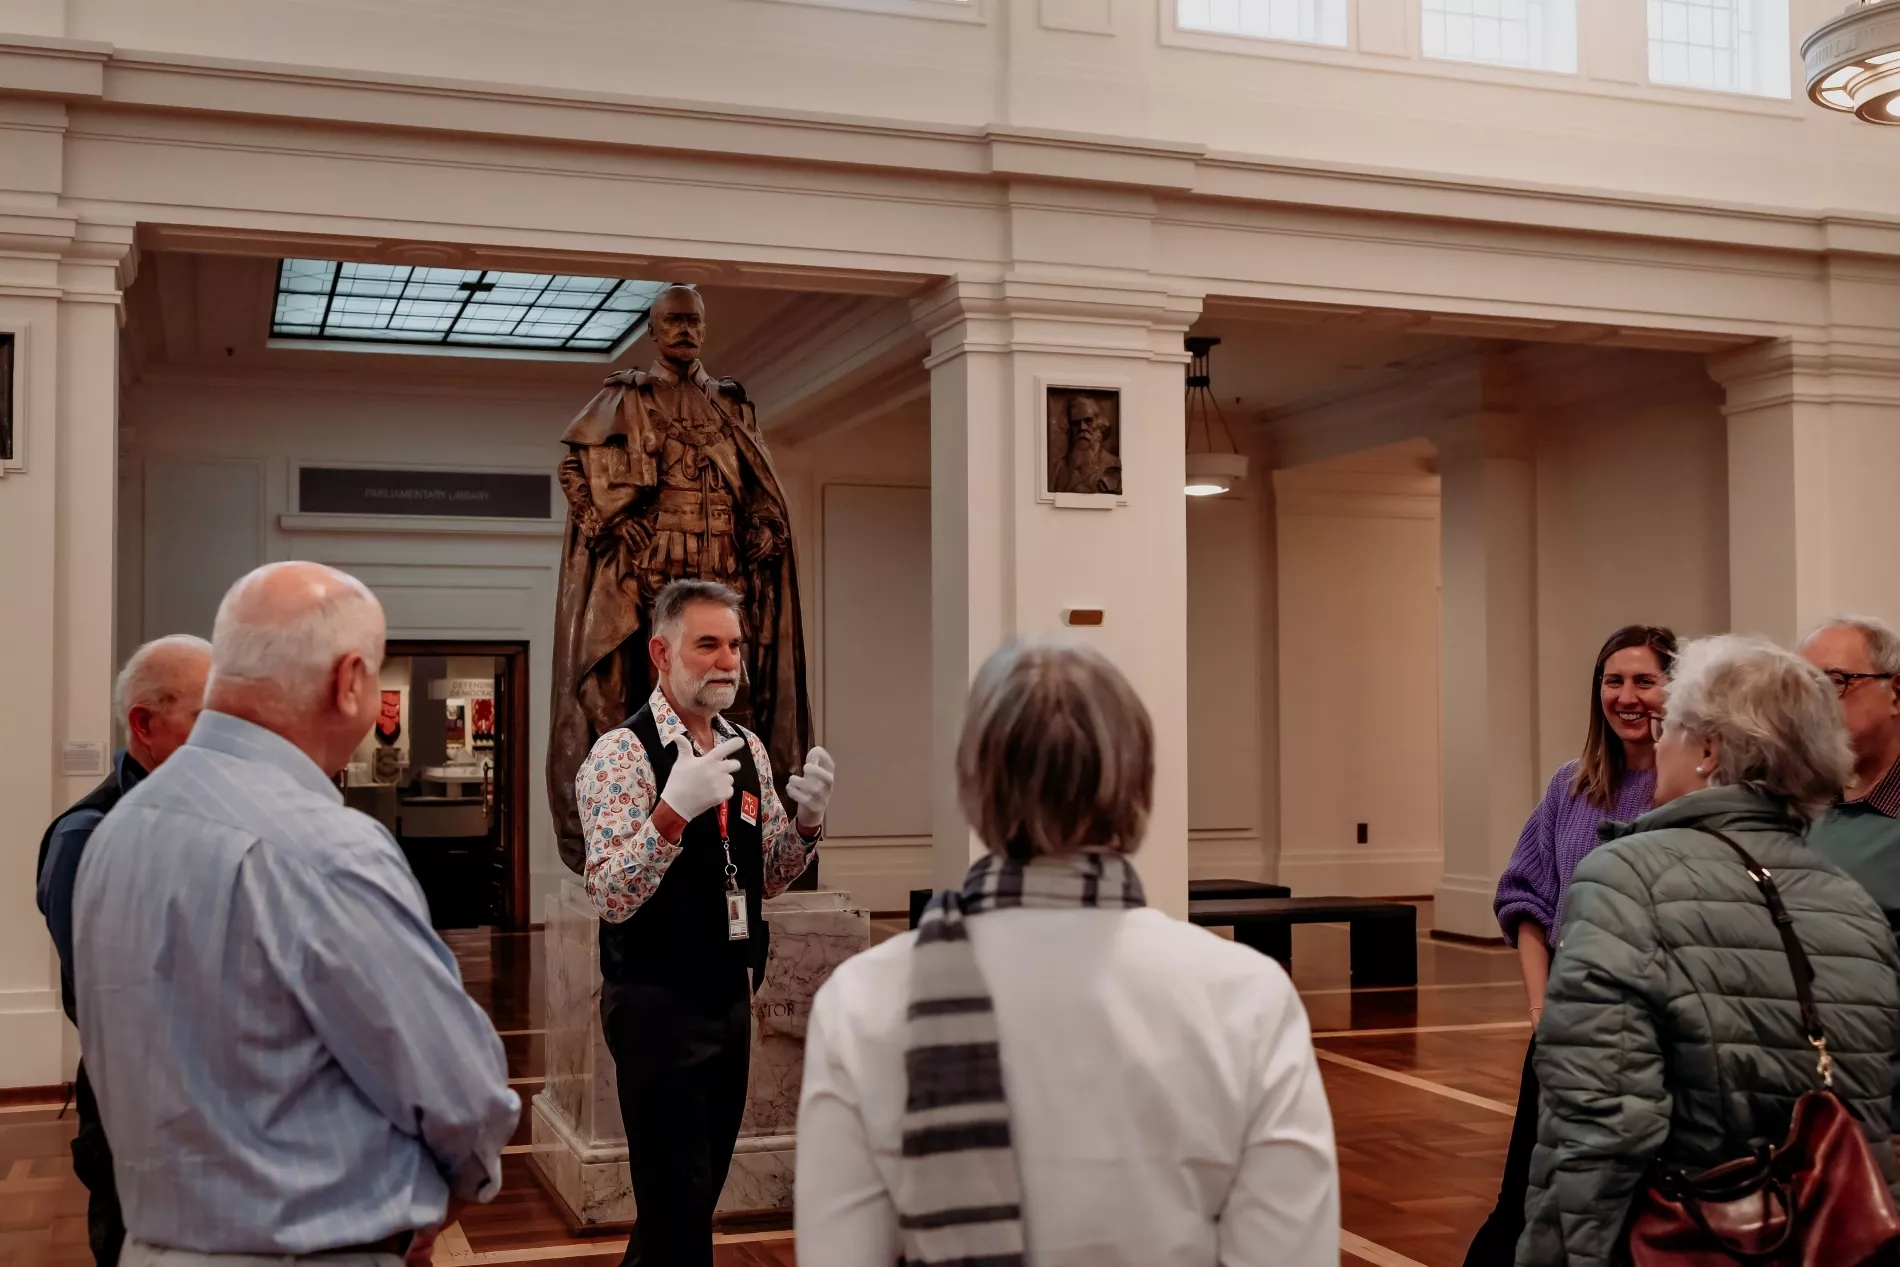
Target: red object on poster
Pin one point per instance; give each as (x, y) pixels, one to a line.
(389, 718)
(483, 722)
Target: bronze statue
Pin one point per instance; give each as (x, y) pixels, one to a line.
(666, 477)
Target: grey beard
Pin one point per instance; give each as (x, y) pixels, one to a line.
(706, 694)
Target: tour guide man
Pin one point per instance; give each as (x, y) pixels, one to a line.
(685, 838)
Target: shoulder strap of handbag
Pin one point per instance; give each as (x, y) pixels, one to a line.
(1797, 957)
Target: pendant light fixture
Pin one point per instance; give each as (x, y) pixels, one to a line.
(1211, 470)
(1853, 62)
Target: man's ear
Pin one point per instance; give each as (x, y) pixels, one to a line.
(657, 652)
(344, 697)
(138, 723)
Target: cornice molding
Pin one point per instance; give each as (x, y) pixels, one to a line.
(1801, 372)
(137, 80)
(50, 253)
(67, 69)
(1025, 313)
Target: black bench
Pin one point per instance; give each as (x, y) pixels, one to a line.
(1197, 890)
(1212, 890)
(1384, 934)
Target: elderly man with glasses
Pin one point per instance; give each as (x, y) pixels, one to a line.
(1861, 834)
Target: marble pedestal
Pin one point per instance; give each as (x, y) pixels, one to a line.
(580, 1145)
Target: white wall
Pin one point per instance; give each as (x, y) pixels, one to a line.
(1233, 827)
(1632, 521)
(228, 448)
(1359, 670)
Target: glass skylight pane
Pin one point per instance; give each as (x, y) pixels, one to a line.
(396, 303)
(306, 276)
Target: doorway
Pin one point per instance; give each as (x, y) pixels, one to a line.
(445, 771)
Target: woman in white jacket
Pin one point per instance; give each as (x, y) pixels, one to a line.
(1048, 1071)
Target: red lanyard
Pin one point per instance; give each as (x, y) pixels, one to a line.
(725, 842)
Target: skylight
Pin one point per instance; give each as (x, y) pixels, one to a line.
(456, 307)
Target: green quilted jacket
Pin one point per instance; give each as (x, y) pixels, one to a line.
(1670, 1029)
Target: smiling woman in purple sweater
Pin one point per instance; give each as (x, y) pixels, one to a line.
(1612, 781)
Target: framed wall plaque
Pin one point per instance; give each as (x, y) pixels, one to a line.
(7, 342)
(1082, 447)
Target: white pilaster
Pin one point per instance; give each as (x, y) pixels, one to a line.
(60, 286)
(1811, 453)
(1489, 517)
(1006, 563)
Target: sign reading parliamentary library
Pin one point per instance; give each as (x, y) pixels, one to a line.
(334, 490)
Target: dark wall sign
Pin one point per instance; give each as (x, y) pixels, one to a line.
(6, 398)
(334, 490)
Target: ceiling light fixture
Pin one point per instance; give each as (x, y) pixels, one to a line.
(1210, 471)
(1853, 62)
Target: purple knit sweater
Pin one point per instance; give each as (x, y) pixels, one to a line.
(1561, 830)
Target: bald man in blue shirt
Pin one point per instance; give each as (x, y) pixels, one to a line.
(285, 1058)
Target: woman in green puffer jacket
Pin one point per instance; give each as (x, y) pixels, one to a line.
(1670, 1029)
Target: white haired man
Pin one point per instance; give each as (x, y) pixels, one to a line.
(1861, 833)
(685, 837)
(285, 1058)
(157, 698)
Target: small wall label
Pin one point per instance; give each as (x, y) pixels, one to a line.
(82, 758)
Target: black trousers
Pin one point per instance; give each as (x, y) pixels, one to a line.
(92, 1162)
(681, 1063)
(1495, 1245)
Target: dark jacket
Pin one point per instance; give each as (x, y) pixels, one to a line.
(1670, 1028)
(58, 869)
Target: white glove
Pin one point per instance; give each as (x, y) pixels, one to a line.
(697, 783)
(811, 788)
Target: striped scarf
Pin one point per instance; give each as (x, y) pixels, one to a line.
(959, 1197)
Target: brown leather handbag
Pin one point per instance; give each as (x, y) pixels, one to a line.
(1817, 1199)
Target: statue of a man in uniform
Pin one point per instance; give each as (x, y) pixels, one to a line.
(667, 477)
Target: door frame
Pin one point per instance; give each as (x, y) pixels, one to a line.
(515, 839)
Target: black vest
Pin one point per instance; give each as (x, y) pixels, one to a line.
(102, 799)
(677, 939)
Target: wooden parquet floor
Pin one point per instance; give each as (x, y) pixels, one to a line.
(1422, 1083)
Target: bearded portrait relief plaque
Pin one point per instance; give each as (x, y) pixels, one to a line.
(1084, 448)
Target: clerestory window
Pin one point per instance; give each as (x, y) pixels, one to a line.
(1529, 34)
(1720, 45)
(1302, 21)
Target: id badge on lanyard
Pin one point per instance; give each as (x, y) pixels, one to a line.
(738, 927)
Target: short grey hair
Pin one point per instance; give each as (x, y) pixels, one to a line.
(296, 656)
(1774, 717)
(1057, 754)
(669, 609)
(146, 678)
(1883, 644)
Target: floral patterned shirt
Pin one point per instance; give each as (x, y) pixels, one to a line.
(627, 857)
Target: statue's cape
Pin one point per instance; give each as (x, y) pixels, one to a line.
(597, 614)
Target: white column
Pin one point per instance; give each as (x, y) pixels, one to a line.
(1489, 505)
(1006, 561)
(1812, 451)
(60, 285)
